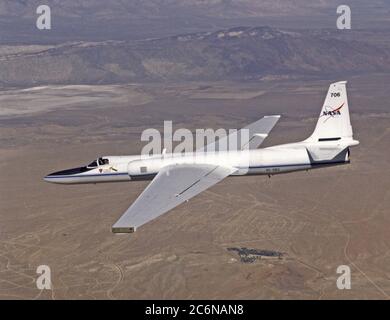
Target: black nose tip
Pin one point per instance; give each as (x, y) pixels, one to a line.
(51, 174)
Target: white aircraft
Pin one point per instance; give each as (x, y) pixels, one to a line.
(178, 177)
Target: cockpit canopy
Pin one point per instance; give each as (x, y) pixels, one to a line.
(98, 162)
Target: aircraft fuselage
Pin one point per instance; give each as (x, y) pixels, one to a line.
(267, 161)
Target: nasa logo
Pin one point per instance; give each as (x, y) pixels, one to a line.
(332, 112)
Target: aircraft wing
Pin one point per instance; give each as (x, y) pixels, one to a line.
(173, 185)
(258, 131)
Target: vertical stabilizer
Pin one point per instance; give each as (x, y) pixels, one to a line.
(334, 123)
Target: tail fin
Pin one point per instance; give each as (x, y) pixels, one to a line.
(334, 123)
(332, 136)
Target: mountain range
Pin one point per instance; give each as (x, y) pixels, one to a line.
(241, 53)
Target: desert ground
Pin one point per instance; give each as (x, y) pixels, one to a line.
(314, 220)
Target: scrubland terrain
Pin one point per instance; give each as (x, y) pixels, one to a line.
(318, 220)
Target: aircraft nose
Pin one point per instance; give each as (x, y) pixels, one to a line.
(49, 177)
(46, 178)
(58, 177)
(54, 178)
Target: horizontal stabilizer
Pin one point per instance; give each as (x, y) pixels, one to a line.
(328, 154)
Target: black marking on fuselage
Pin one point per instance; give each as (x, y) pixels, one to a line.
(328, 139)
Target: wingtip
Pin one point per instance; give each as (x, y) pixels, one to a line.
(273, 116)
(122, 230)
